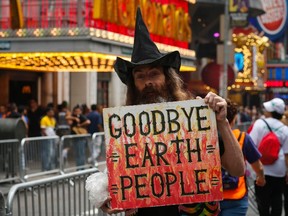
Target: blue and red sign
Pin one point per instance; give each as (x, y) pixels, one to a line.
(274, 22)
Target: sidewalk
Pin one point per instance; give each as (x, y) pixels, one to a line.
(251, 212)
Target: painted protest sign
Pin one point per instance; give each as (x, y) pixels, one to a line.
(162, 154)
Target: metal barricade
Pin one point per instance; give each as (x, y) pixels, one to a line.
(39, 156)
(74, 152)
(251, 195)
(9, 160)
(2, 204)
(98, 150)
(60, 195)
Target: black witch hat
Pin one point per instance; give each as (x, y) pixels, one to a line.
(145, 52)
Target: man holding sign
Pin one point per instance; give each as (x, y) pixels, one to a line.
(166, 153)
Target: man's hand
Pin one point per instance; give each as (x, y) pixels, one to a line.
(218, 105)
(260, 180)
(232, 159)
(106, 207)
(77, 120)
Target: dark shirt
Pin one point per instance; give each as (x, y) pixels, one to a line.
(245, 117)
(34, 122)
(75, 123)
(61, 121)
(14, 115)
(159, 211)
(96, 120)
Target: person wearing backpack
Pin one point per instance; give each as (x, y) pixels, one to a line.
(235, 193)
(269, 197)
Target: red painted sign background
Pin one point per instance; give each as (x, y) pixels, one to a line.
(162, 154)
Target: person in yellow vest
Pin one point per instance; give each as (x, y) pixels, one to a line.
(235, 193)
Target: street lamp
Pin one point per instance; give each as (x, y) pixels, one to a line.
(223, 73)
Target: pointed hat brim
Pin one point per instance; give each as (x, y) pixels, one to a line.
(124, 68)
(145, 52)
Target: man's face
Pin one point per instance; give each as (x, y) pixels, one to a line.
(33, 104)
(150, 84)
(50, 113)
(2, 109)
(77, 111)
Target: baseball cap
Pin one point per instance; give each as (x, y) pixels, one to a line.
(275, 105)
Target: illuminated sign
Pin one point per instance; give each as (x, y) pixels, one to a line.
(26, 90)
(239, 13)
(16, 14)
(168, 23)
(273, 23)
(276, 83)
(239, 61)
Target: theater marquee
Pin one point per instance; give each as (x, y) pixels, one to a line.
(168, 21)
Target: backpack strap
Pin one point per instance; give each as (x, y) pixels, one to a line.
(270, 128)
(267, 125)
(279, 127)
(240, 135)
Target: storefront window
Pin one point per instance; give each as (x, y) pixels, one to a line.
(102, 93)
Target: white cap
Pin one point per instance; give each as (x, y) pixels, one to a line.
(275, 105)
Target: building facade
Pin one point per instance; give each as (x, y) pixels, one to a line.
(65, 50)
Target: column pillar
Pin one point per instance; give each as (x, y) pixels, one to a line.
(47, 88)
(63, 87)
(83, 88)
(117, 91)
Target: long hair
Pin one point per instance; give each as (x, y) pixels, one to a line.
(276, 115)
(174, 85)
(232, 110)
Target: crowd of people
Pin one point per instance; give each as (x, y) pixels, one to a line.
(152, 77)
(51, 121)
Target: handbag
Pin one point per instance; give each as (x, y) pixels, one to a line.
(79, 130)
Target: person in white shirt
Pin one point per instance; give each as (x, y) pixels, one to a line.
(269, 197)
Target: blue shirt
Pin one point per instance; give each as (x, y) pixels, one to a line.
(96, 120)
(249, 149)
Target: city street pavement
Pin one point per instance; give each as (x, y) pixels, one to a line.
(253, 213)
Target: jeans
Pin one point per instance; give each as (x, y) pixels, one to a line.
(234, 207)
(269, 197)
(48, 153)
(79, 149)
